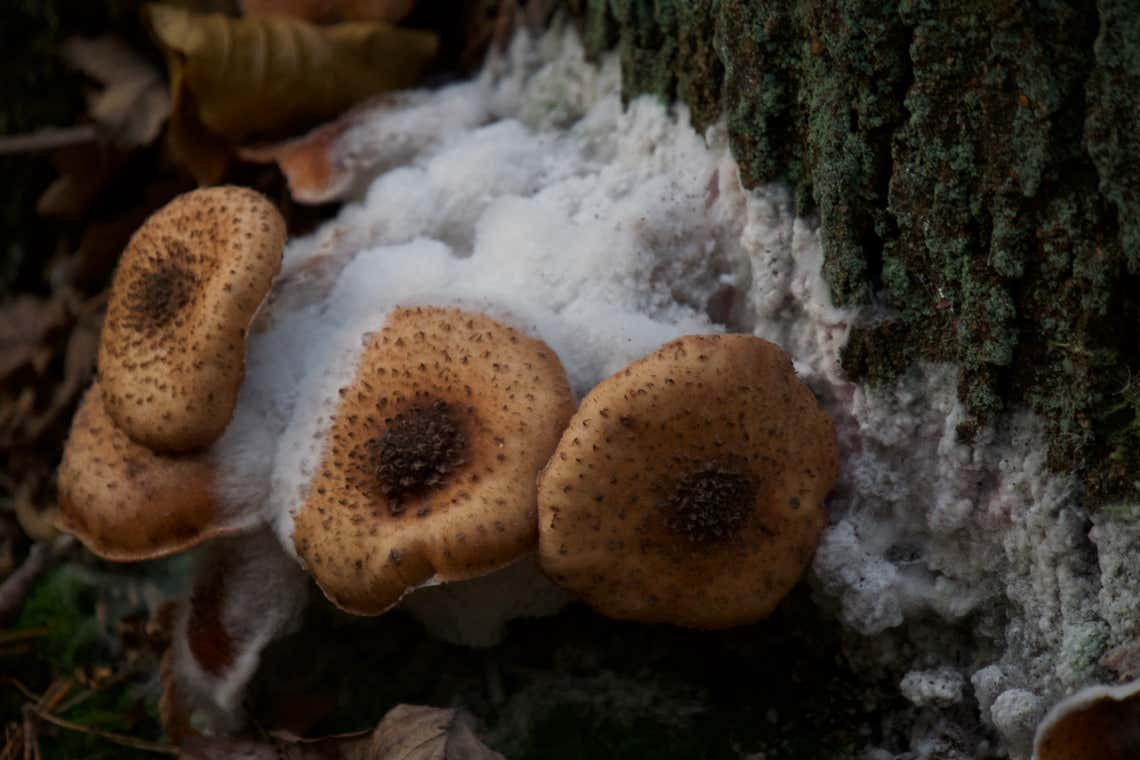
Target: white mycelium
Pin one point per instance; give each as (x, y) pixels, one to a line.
(533, 194)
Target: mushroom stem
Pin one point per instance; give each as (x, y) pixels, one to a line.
(247, 593)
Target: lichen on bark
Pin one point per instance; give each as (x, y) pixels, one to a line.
(975, 168)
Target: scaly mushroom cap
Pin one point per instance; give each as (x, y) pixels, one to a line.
(689, 487)
(1101, 722)
(124, 501)
(172, 352)
(429, 467)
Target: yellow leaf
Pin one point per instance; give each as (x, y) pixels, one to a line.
(246, 77)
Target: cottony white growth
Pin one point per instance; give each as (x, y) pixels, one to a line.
(531, 193)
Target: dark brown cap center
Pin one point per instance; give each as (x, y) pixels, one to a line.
(710, 504)
(418, 450)
(160, 292)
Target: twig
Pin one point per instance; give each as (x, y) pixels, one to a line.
(15, 684)
(48, 139)
(13, 748)
(31, 735)
(120, 739)
(16, 586)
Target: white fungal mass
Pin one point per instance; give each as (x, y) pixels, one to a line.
(533, 194)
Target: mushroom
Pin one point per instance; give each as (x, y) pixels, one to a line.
(126, 502)
(1101, 722)
(428, 469)
(247, 593)
(688, 488)
(172, 351)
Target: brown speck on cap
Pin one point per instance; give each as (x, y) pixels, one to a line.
(172, 351)
(1101, 722)
(126, 502)
(429, 465)
(689, 487)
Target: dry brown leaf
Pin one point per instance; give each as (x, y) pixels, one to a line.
(34, 335)
(78, 366)
(83, 171)
(331, 11)
(133, 103)
(235, 78)
(413, 732)
(407, 732)
(26, 322)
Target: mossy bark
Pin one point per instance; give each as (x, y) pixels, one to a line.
(975, 167)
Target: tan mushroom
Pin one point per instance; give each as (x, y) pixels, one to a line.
(126, 502)
(689, 487)
(428, 469)
(1101, 722)
(172, 351)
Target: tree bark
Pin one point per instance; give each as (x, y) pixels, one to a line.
(974, 166)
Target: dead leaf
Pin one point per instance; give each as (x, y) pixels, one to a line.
(78, 366)
(83, 171)
(26, 322)
(232, 79)
(407, 732)
(412, 732)
(331, 11)
(133, 103)
(34, 343)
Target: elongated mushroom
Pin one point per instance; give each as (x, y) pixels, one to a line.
(688, 488)
(428, 469)
(126, 502)
(172, 351)
(1101, 722)
(247, 593)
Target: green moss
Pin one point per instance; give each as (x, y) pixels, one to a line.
(64, 603)
(1111, 131)
(122, 710)
(976, 172)
(598, 28)
(759, 50)
(71, 616)
(700, 74)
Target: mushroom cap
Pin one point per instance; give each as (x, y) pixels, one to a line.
(126, 502)
(172, 351)
(429, 465)
(1101, 722)
(688, 488)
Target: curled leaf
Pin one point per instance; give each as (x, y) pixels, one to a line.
(232, 79)
(414, 732)
(133, 103)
